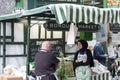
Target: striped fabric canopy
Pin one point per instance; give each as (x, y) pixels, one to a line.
(72, 13)
(87, 14)
(10, 16)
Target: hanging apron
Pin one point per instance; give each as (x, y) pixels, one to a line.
(83, 72)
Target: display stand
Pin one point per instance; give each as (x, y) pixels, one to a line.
(101, 76)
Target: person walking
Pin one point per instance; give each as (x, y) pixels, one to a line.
(112, 59)
(98, 53)
(46, 63)
(83, 60)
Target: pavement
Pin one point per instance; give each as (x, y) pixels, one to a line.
(72, 78)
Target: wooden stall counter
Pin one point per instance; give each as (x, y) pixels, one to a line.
(9, 77)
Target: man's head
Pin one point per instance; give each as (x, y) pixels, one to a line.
(46, 45)
(101, 42)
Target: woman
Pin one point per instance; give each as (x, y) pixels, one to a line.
(83, 60)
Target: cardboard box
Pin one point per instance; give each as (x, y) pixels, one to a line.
(1, 77)
(8, 77)
(69, 69)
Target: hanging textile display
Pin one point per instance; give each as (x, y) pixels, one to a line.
(72, 34)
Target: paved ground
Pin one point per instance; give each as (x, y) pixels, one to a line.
(73, 78)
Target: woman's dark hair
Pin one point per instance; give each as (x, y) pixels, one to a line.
(84, 43)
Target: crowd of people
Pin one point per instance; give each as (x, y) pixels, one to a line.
(47, 63)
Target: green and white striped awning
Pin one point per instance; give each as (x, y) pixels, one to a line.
(11, 16)
(101, 76)
(35, 11)
(73, 13)
(87, 14)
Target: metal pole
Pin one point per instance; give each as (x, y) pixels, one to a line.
(93, 2)
(4, 44)
(82, 2)
(28, 44)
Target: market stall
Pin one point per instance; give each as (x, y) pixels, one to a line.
(61, 12)
(87, 14)
(101, 76)
(99, 71)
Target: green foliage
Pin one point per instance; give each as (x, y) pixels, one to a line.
(61, 71)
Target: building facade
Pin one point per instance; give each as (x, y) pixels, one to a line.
(7, 6)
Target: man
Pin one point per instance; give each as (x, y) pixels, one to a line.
(98, 53)
(46, 63)
(112, 56)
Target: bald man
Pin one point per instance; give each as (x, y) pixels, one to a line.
(46, 63)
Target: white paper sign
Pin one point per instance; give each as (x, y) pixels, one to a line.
(111, 51)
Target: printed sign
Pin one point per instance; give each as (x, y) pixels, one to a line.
(115, 27)
(52, 25)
